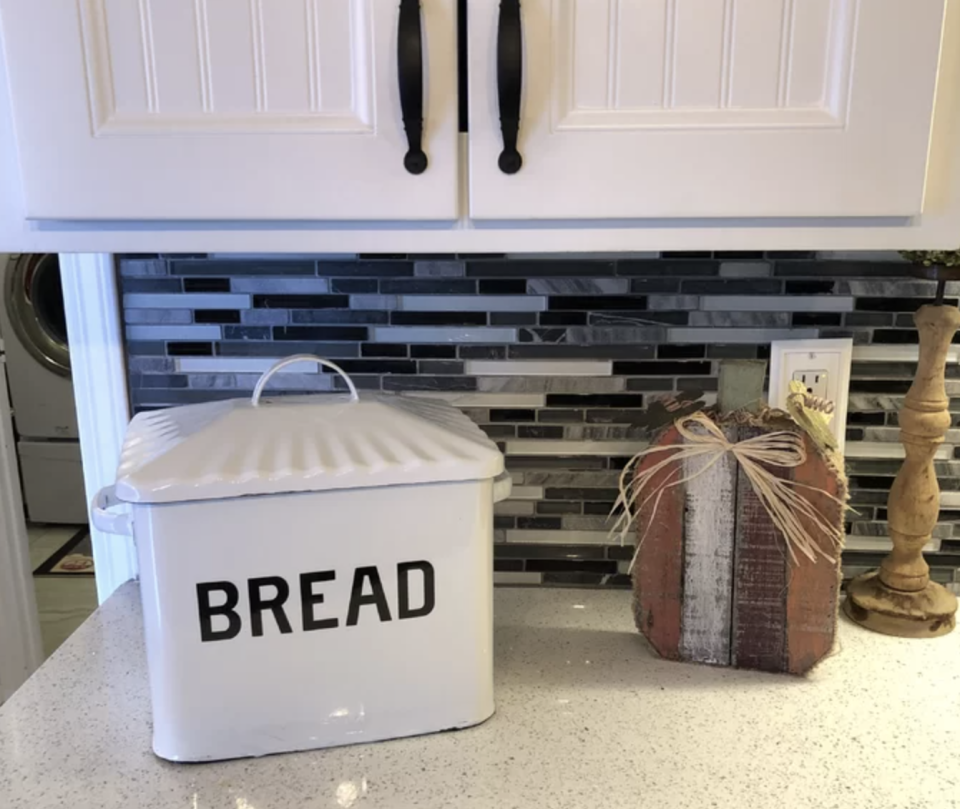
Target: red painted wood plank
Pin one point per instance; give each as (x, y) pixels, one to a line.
(812, 593)
(760, 579)
(658, 573)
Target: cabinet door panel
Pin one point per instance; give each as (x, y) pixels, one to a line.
(227, 109)
(709, 108)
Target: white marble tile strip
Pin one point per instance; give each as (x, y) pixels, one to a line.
(202, 332)
(881, 449)
(514, 508)
(896, 353)
(514, 577)
(527, 493)
(776, 303)
(881, 544)
(546, 537)
(551, 384)
(560, 447)
(240, 365)
(538, 368)
(472, 303)
(297, 286)
(718, 335)
(482, 399)
(194, 300)
(441, 334)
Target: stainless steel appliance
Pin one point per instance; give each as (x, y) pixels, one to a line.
(33, 326)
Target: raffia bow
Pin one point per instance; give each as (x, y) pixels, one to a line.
(786, 507)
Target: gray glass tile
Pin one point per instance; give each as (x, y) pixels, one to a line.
(141, 267)
(271, 349)
(540, 351)
(578, 286)
(158, 316)
(746, 269)
(625, 334)
(263, 267)
(280, 285)
(439, 269)
(519, 268)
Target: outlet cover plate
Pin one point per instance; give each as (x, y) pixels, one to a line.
(787, 357)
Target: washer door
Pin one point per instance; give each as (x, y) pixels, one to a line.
(34, 301)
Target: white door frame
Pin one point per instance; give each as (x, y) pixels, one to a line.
(92, 302)
(21, 649)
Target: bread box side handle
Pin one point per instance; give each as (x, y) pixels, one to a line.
(105, 520)
(502, 486)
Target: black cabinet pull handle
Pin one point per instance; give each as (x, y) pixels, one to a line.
(509, 82)
(410, 77)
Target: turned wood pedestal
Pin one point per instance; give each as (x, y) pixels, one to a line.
(899, 598)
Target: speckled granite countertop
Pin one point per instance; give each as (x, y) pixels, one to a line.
(586, 716)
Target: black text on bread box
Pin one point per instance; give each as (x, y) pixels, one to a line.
(270, 594)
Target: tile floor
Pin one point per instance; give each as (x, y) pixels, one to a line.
(64, 602)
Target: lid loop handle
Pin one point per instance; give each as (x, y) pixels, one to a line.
(262, 382)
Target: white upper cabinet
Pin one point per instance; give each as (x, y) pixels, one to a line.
(784, 113)
(707, 108)
(227, 109)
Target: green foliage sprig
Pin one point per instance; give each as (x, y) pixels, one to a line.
(933, 258)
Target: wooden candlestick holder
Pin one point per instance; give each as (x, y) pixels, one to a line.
(899, 598)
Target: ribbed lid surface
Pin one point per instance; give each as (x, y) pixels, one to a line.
(297, 444)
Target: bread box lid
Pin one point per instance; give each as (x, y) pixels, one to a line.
(241, 447)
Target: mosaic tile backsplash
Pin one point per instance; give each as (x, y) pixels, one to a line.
(565, 361)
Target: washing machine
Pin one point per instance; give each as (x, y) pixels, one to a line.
(34, 330)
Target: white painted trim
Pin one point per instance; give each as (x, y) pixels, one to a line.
(21, 649)
(92, 304)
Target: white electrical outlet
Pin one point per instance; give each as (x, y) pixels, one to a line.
(814, 381)
(823, 366)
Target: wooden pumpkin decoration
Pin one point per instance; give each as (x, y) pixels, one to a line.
(715, 578)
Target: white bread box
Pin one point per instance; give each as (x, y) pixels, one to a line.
(315, 571)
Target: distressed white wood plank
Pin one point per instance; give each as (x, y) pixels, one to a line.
(708, 559)
(755, 53)
(698, 53)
